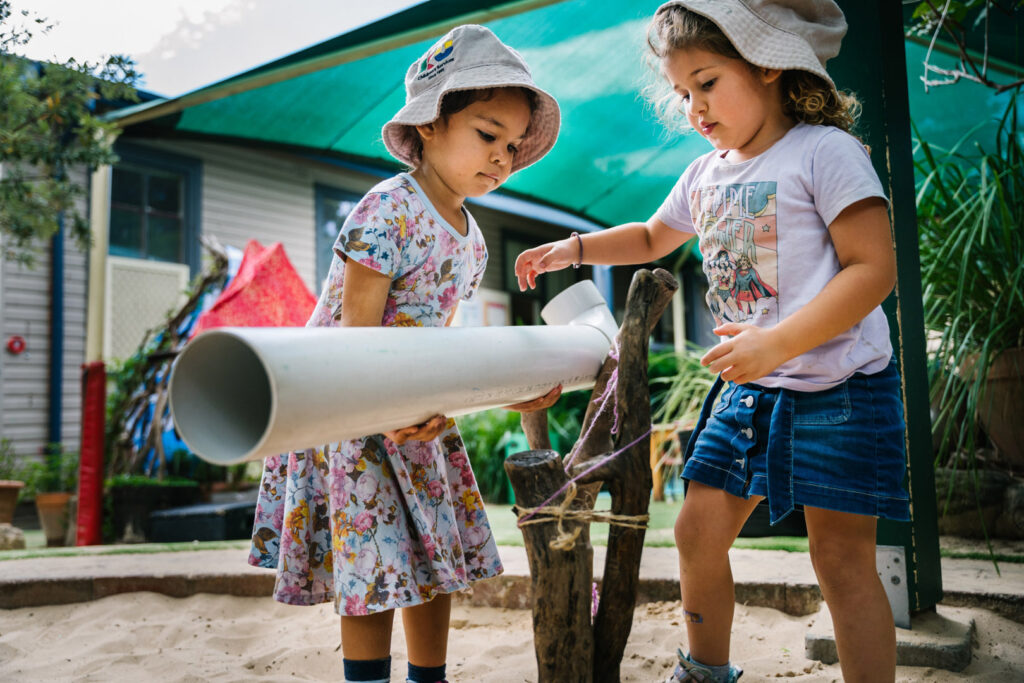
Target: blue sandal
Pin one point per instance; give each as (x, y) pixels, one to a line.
(686, 670)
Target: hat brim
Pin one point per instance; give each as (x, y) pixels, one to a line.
(757, 41)
(426, 108)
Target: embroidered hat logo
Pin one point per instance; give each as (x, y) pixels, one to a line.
(438, 56)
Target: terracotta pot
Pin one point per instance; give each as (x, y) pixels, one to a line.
(8, 499)
(53, 516)
(1002, 414)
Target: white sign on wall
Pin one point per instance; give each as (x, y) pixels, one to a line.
(489, 308)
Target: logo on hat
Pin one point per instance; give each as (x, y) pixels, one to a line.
(435, 59)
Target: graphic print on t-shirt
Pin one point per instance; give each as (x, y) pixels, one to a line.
(739, 243)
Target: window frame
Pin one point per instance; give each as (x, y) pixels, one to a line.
(541, 293)
(320, 193)
(191, 170)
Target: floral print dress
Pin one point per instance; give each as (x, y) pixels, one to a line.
(367, 523)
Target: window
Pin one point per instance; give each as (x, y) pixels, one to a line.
(526, 306)
(332, 208)
(154, 207)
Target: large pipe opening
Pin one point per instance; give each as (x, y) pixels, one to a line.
(220, 397)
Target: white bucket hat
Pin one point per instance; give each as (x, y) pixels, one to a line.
(777, 34)
(469, 57)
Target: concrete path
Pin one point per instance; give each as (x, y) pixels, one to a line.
(767, 578)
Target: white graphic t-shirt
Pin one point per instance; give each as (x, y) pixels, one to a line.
(763, 230)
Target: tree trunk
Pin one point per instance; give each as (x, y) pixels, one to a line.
(630, 483)
(560, 579)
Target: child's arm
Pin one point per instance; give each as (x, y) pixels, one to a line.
(363, 298)
(863, 243)
(624, 244)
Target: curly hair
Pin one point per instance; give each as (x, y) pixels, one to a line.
(806, 97)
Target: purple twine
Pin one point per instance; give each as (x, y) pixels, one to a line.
(609, 391)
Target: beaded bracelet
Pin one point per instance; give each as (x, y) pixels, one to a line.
(580, 240)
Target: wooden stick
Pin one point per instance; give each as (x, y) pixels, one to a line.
(560, 579)
(630, 482)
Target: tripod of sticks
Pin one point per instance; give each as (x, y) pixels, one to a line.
(615, 453)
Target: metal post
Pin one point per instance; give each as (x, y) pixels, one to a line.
(873, 64)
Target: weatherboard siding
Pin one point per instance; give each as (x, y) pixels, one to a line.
(250, 195)
(25, 297)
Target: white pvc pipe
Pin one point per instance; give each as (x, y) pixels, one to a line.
(244, 393)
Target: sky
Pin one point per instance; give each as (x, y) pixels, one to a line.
(180, 45)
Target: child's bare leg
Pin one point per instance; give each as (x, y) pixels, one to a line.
(426, 631)
(843, 554)
(368, 636)
(705, 530)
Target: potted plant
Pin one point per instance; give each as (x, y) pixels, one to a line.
(10, 481)
(970, 207)
(54, 479)
(679, 384)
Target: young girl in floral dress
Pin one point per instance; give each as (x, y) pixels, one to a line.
(396, 520)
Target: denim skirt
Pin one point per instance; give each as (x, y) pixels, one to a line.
(840, 449)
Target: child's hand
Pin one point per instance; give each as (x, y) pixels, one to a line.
(751, 354)
(541, 403)
(421, 432)
(544, 259)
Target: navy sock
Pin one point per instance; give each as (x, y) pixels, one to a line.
(426, 674)
(367, 670)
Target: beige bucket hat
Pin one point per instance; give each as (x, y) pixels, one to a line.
(469, 57)
(777, 34)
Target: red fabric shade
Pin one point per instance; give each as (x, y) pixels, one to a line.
(266, 292)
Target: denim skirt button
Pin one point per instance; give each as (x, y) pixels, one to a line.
(747, 401)
(749, 433)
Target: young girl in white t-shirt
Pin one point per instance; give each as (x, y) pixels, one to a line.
(794, 232)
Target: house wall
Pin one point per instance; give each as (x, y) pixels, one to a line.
(246, 194)
(264, 196)
(25, 297)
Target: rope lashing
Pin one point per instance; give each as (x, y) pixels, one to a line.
(566, 540)
(560, 513)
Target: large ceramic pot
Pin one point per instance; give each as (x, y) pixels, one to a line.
(53, 516)
(1002, 414)
(8, 499)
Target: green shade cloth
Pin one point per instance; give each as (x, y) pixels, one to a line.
(614, 162)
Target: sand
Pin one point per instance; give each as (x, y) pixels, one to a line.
(150, 637)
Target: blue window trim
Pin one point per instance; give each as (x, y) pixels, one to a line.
(192, 171)
(321, 192)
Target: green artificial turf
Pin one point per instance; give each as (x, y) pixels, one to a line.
(659, 530)
(503, 523)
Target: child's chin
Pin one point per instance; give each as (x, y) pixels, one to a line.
(481, 191)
